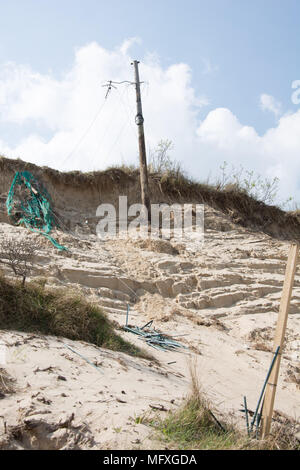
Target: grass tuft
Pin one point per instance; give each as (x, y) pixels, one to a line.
(59, 312)
(195, 426)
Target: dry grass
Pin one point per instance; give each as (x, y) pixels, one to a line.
(92, 179)
(63, 312)
(168, 187)
(262, 347)
(283, 434)
(293, 375)
(261, 334)
(195, 426)
(260, 338)
(7, 383)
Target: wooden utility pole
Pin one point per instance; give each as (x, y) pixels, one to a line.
(142, 148)
(267, 411)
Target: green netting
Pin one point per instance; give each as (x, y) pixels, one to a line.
(29, 204)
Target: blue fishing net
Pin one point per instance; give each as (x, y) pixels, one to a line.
(28, 203)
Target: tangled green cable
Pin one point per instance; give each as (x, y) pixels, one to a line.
(35, 210)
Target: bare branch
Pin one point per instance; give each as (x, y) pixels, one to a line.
(18, 255)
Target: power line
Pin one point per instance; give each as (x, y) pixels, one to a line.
(110, 84)
(86, 131)
(118, 137)
(100, 142)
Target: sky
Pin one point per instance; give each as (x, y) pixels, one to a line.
(218, 82)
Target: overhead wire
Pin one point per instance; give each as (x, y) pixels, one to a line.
(100, 141)
(79, 142)
(127, 121)
(85, 132)
(118, 137)
(126, 108)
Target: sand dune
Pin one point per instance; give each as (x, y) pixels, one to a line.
(222, 299)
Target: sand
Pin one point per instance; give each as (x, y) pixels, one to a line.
(221, 299)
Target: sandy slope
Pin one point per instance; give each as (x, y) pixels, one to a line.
(222, 297)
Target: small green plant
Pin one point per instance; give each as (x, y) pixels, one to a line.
(141, 419)
(253, 184)
(290, 205)
(117, 430)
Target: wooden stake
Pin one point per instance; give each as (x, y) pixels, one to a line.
(267, 411)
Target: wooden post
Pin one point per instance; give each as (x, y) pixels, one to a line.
(267, 411)
(142, 148)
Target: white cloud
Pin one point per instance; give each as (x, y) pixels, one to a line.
(67, 106)
(268, 103)
(276, 153)
(128, 43)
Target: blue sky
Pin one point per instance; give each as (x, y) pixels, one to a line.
(241, 56)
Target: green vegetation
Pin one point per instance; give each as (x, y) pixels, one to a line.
(60, 312)
(195, 426)
(252, 184)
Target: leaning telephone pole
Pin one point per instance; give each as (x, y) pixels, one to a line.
(139, 120)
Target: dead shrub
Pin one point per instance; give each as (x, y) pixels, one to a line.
(18, 255)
